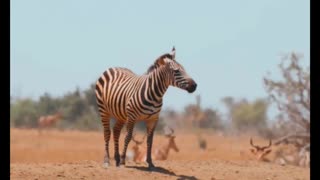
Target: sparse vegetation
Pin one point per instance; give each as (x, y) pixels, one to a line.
(80, 112)
(291, 94)
(246, 115)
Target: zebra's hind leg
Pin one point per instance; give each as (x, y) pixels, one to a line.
(116, 135)
(106, 132)
(130, 126)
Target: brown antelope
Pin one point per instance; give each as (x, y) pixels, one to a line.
(261, 152)
(162, 152)
(48, 121)
(139, 152)
(159, 153)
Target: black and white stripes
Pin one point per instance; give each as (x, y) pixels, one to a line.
(128, 98)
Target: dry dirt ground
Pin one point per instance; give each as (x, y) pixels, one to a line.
(78, 155)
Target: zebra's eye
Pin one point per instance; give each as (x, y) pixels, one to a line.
(176, 71)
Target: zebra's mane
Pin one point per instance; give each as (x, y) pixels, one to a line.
(156, 63)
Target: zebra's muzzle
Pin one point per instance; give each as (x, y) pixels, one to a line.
(192, 87)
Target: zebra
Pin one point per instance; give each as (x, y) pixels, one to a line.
(129, 98)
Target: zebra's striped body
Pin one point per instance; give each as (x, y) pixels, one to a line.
(126, 94)
(129, 98)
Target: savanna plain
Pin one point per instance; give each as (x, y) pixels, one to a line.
(71, 154)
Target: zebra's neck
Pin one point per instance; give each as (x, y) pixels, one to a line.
(158, 82)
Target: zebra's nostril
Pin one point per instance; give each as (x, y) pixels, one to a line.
(192, 87)
(195, 85)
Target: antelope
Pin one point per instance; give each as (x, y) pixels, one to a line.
(48, 121)
(261, 152)
(138, 151)
(159, 153)
(162, 152)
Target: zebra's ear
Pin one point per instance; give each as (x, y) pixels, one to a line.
(173, 52)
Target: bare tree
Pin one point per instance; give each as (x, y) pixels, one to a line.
(292, 97)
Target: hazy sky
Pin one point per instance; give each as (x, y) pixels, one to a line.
(226, 46)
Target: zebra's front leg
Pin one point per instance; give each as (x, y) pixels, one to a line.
(130, 126)
(150, 130)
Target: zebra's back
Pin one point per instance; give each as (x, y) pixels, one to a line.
(114, 89)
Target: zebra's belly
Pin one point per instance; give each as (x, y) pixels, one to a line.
(117, 116)
(137, 116)
(144, 117)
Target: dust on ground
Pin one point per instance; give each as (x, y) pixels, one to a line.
(79, 155)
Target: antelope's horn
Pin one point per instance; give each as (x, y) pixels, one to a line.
(251, 143)
(270, 143)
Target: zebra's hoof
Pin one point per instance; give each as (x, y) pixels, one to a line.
(151, 168)
(105, 165)
(118, 163)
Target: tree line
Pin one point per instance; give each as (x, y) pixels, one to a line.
(80, 111)
(291, 94)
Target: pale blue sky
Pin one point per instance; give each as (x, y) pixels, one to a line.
(226, 46)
